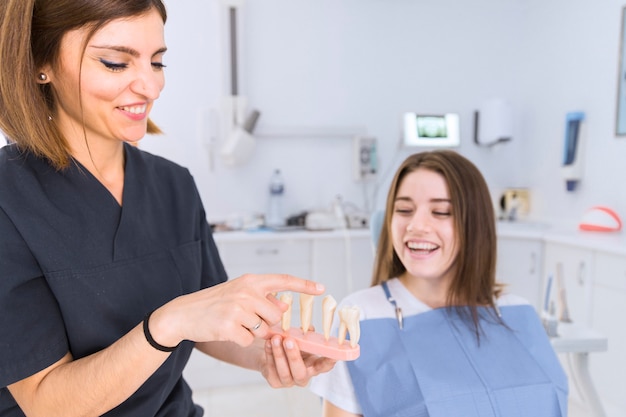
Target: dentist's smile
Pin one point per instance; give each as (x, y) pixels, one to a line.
(135, 109)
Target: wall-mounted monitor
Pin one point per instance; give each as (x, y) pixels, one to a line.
(431, 130)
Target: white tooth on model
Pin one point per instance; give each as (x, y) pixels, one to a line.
(306, 311)
(286, 298)
(328, 310)
(349, 320)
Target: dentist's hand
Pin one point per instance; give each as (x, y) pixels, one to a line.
(238, 311)
(285, 365)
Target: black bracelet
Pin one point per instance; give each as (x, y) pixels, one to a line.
(153, 343)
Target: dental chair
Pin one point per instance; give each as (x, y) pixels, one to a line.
(376, 224)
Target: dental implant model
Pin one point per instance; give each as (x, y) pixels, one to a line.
(322, 344)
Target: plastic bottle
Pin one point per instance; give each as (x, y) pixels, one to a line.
(274, 215)
(342, 222)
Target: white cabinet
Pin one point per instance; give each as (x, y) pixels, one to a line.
(343, 265)
(607, 317)
(265, 256)
(341, 260)
(519, 267)
(572, 270)
(595, 283)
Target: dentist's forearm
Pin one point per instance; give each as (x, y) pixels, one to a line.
(93, 385)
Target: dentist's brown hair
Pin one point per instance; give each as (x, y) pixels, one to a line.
(30, 36)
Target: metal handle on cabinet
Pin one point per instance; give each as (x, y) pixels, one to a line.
(264, 251)
(581, 274)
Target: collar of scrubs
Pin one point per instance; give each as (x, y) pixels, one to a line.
(437, 366)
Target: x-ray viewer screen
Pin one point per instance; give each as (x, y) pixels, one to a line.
(431, 130)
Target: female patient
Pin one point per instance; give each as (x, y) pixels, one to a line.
(439, 337)
(109, 275)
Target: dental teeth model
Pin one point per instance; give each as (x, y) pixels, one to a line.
(322, 344)
(328, 311)
(306, 311)
(349, 321)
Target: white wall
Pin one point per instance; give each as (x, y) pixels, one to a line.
(572, 50)
(364, 63)
(359, 64)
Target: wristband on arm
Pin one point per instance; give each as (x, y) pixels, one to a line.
(150, 339)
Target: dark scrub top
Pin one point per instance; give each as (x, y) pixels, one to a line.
(78, 271)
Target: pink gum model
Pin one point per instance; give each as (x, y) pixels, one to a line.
(316, 344)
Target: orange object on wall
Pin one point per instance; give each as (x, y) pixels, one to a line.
(600, 219)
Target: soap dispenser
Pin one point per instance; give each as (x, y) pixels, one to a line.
(572, 150)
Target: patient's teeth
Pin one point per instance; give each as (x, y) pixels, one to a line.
(306, 311)
(349, 319)
(286, 298)
(328, 310)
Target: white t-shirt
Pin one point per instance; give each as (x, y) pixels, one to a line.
(336, 386)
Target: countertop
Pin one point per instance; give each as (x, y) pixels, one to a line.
(297, 234)
(612, 242)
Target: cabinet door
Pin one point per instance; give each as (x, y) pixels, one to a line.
(519, 266)
(269, 256)
(609, 301)
(343, 266)
(575, 267)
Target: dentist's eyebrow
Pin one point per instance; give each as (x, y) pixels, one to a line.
(126, 50)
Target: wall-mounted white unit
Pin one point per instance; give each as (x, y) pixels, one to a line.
(493, 123)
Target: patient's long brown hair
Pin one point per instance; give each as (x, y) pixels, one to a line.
(474, 282)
